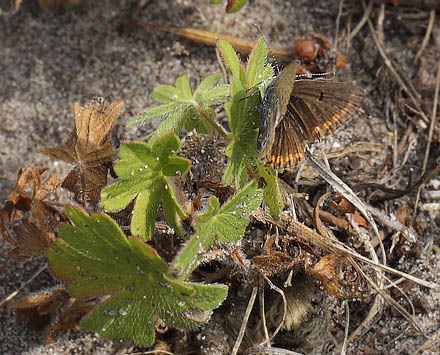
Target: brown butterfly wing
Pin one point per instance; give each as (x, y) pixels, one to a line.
(274, 105)
(325, 104)
(289, 145)
(316, 108)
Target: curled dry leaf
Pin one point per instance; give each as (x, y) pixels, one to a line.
(53, 307)
(292, 256)
(323, 41)
(273, 264)
(342, 205)
(34, 234)
(339, 277)
(19, 200)
(30, 241)
(90, 149)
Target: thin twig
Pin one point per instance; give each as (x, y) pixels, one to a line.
(261, 350)
(347, 323)
(306, 235)
(273, 287)
(396, 75)
(429, 343)
(433, 119)
(427, 35)
(245, 320)
(378, 300)
(341, 187)
(316, 211)
(380, 20)
(263, 313)
(363, 20)
(390, 300)
(214, 124)
(338, 19)
(16, 292)
(430, 134)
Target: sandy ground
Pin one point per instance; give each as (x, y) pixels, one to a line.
(50, 60)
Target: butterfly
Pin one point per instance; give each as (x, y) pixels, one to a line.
(295, 113)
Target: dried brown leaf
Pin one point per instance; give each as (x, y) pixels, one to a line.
(89, 148)
(342, 205)
(339, 277)
(36, 308)
(19, 200)
(53, 308)
(273, 264)
(30, 242)
(33, 235)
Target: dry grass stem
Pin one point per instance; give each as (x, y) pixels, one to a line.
(245, 320)
(24, 285)
(427, 35)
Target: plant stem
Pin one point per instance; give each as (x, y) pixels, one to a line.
(214, 124)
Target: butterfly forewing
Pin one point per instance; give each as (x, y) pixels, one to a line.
(298, 112)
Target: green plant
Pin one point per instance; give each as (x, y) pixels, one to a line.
(92, 254)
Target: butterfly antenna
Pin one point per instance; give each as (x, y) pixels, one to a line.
(309, 75)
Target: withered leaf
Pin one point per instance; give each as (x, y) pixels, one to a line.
(280, 261)
(53, 308)
(30, 242)
(19, 200)
(33, 235)
(272, 264)
(36, 308)
(339, 277)
(90, 149)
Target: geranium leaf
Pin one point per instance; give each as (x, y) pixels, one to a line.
(181, 107)
(145, 174)
(95, 258)
(227, 222)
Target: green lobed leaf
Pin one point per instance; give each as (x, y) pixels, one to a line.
(256, 64)
(181, 107)
(145, 174)
(184, 89)
(272, 192)
(227, 222)
(165, 94)
(206, 85)
(231, 59)
(243, 111)
(244, 120)
(96, 259)
(154, 112)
